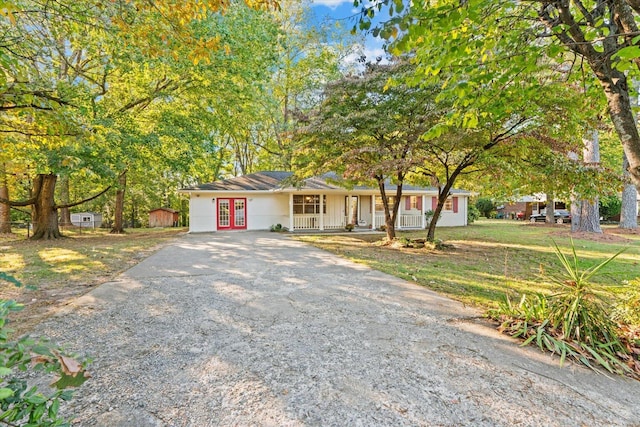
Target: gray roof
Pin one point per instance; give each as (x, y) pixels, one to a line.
(255, 181)
(275, 180)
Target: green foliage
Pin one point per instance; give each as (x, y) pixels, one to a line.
(486, 207)
(575, 321)
(473, 213)
(278, 228)
(428, 216)
(19, 403)
(627, 308)
(610, 206)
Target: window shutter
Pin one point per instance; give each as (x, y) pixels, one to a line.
(419, 205)
(434, 203)
(407, 203)
(455, 204)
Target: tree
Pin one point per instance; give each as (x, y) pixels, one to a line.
(73, 80)
(486, 207)
(479, 42)
(585, 212)
(369, 131)
(629, 204)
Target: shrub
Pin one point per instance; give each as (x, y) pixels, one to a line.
(349, 227)
(472, 214)
(575, 321)
(610, 206)
(486, 207)
(19, 403)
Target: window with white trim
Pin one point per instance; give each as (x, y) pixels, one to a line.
(413, 201)
(380, 207)
(308, 204)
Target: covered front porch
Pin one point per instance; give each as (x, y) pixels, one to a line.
(364, 211)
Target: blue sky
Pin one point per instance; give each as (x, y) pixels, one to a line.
(342, 10)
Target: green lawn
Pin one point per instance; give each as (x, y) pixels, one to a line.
(490, 258)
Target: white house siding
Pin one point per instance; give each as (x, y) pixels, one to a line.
(455, 219)
(202, 213)
(335, 211)
(265, 210)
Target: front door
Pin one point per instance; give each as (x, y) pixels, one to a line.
(232, 214)
(351, 203)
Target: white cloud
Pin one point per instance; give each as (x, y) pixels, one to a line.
(353, 61)
(332, 4)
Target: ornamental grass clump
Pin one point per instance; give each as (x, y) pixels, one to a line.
(573, 322)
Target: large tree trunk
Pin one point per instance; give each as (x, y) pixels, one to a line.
(390, 212)
(5, 209)
(589, 210)
(613, 81)
(45, 214)
(550, 209)
(118, 221)
(616, 90)
(431, 232)
(65, 213)
(629, 207)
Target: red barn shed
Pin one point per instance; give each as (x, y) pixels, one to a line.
(163, 217)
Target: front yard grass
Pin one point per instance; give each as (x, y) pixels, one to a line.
(491, 258)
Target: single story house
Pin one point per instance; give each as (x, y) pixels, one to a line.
(163, 217)
(260, 200)
(86, 219)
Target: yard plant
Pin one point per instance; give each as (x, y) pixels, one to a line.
(20, 403)
(574, 321)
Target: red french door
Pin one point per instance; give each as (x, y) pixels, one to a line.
(232, 214)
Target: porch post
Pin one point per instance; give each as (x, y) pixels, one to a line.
(291, 211)
(422, 211)
(373, 212)
(321, 212)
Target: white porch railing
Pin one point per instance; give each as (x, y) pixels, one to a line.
(410, 221)
(404, 221)
(312, 222)
(306, 222)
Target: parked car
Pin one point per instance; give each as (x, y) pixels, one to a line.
(560, 216)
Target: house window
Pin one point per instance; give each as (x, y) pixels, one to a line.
(448, 204)
(380, 207)
(86, 219)
(308, 204)
(413, 202)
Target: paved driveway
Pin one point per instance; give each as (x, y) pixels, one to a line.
(237, 329)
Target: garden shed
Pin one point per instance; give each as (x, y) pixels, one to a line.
(87, 219)
(163, 217)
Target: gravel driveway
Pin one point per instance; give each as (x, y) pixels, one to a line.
(238, 329)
